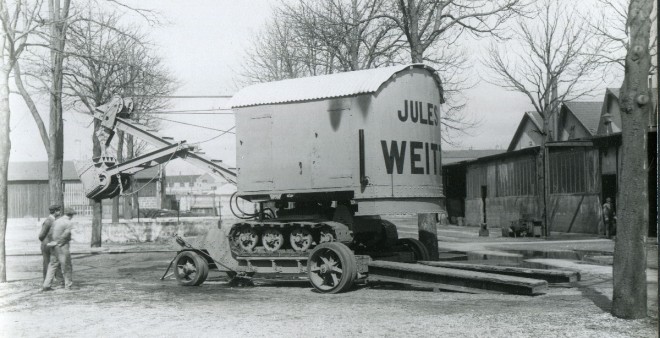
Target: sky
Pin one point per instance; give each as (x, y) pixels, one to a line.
(203, 43)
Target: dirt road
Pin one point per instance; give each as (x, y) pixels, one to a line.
(120, 295)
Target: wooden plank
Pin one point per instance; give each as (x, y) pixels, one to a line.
(457, 277)
(452, 256)
(551, 276)
(430, 285)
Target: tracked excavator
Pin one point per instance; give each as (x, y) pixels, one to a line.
(325, 158)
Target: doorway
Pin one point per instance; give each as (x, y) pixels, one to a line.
(609, 188)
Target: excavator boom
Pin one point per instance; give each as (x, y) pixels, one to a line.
(104, 178)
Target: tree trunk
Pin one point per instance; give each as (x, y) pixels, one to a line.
(58, 15)
(97, 206)
(120, 159)
(428, 233)
(128, 199)
(130, 154)
(56, 152)
(410, 18)
(630, 288)
(115, 210)
(5, 147)
(163, 189)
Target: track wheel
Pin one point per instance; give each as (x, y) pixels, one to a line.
(272, 240)
(326, 236)
(190, 268)
(300, 239)
(247, 238)
(332, 267)
(420, 252)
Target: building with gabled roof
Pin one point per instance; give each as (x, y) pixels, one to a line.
(583, 163)
(29, 193)
(609, 122)
(578, 120)
(528, 133)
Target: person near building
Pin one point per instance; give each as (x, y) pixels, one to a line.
(609, 217)
(46, 236)
(60, 248)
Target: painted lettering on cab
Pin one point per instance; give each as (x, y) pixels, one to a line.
(394, 154)
(414, 111)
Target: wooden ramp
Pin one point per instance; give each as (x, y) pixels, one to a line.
(551, 276)
(453, 279)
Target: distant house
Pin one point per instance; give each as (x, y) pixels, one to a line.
(204, 195)
(29, 194)
(181, 183)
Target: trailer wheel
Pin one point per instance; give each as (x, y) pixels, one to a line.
(190, 268)
(420, 252)
(331, 267)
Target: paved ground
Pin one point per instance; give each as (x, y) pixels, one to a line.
(121, 295)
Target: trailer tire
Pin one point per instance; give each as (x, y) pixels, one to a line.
(419, 250)
(190, 269)
(332, 267)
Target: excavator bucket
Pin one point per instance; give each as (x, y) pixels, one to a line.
(97, 183)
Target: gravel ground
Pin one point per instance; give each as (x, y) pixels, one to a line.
(120, 295)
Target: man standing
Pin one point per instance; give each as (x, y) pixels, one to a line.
(60, 249)
(46, 236)
(608, 216)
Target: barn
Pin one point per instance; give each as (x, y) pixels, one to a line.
(584, 164)
(28, 192)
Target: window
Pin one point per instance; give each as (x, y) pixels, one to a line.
(516, 177)
(570, 170)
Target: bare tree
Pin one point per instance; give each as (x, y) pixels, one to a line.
(106, 59)
(425, 23)
(274, 56)
(630, 287)
(553, 61)
(612, 33)
(312, 38)
(348, 34)
(15, 30)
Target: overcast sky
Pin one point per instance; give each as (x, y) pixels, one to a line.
(203, 45)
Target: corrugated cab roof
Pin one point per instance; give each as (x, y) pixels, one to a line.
(320, 87)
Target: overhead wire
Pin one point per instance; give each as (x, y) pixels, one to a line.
(189, 111)
(186, 96)
(190, 124)
(215, 137)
